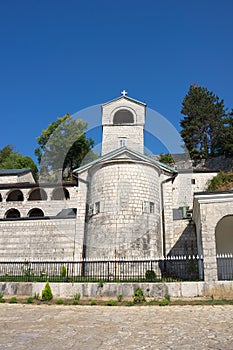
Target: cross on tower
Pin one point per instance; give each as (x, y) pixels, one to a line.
(124, 93)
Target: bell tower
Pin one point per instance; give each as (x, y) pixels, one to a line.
(123, 121)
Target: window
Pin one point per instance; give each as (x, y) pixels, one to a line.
(15, 195)
(152, 208)
(97, 207)
(122, 142)
(37, 195)
(148, 207)
(193, 181)
(123, 116)
(35, 213)
(12, 214)
(60, 193)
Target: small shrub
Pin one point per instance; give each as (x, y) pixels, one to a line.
(47, 294)
(120, 298)
(60, 301)
(30, 300)
(150, 275)
(112, 302)
(13, 300)
(77, 296)
(167, 297)
(139, 296)
(93, 302)
(164, 302)
(63, 271)
(2, 300)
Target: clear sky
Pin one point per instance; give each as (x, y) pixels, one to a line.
(62, 56)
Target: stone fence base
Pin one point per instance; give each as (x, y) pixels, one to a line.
(219, 289)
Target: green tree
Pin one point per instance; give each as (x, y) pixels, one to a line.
(166, 158)
(11, 159)
(226, 137)
(203, 122)
(63, 144)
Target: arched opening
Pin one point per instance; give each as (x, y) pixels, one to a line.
(35, 213)
(12, 214)
(0, 197)
(224, 247)
(224, 235)
(123, 116)
(38, 195)
(15, 195)
(60, 193)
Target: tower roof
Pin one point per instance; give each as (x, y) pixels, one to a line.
(124, 98)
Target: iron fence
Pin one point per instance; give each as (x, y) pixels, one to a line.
(154, 270)
(225, 266)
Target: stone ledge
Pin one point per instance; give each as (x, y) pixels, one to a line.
(152, 290)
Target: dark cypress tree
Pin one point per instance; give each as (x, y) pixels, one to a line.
(203, 122)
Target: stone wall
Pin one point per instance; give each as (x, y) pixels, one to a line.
(38, 239)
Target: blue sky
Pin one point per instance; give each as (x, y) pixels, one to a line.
(63, 56)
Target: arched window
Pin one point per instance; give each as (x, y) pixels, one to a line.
(35, 213)
(12, 214)
(15, 195)
(60, 193)
(123, 116)
(38, 195)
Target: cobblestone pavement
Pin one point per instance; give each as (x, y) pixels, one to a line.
(57, 327)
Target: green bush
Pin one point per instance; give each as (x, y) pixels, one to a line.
(93, 302)
(139, 296)
(2, 300)
(150, 275)
(164, 302)
(30, 300)
(47, 294)
(219, 180)
(112, 302)
(167, 297)
(76, 298)
(13, 300)
(60, 301)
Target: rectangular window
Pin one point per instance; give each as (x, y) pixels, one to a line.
(152, 208)
(122, 142)
(97, 207)
(193, 181)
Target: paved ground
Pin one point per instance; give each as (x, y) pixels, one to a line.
(42, 327)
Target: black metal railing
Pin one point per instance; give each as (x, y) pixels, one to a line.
(154, 270)
(225, 266)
